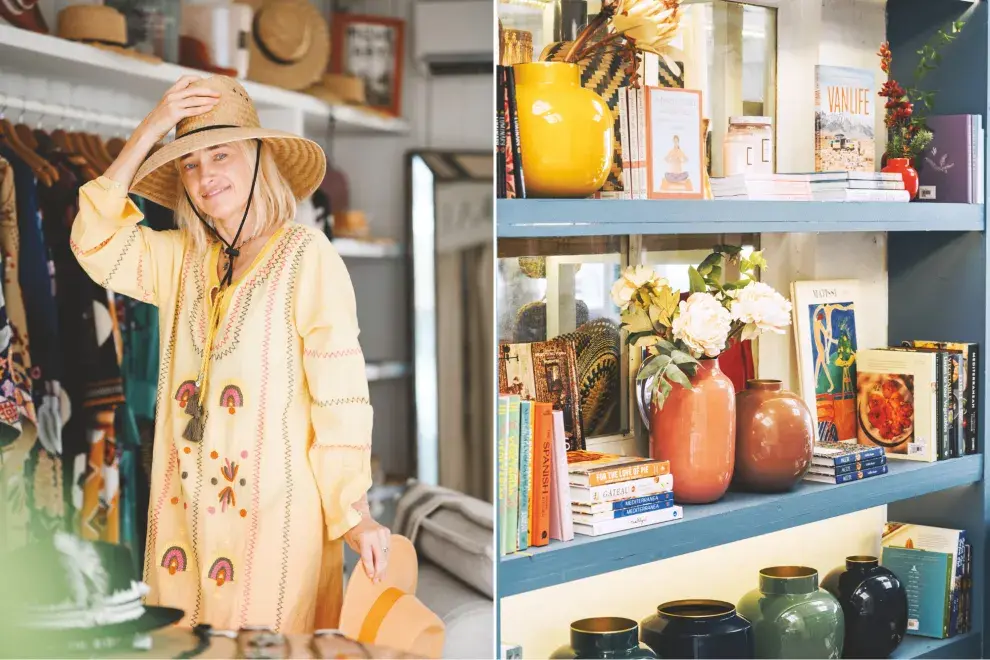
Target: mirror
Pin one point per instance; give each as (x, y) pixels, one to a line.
(452, 241)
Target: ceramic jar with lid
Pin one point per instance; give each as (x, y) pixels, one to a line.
(874, 604)
(792, 617)
(604, 637)
(748, 146)
(698, 629)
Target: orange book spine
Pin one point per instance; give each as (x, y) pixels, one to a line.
(542, 466)
(628, 473)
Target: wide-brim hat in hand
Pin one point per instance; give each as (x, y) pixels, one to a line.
(289, 43)
(301, 162)
(387, 613)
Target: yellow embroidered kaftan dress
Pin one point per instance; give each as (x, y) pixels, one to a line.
(244, 527)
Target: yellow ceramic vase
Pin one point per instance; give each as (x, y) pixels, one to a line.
(565, 131)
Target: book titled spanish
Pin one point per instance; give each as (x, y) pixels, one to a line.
(845, 115)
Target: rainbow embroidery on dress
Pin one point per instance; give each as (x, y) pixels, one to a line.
(185, 392)
(222, 571)
(174, 560)
(231, 398)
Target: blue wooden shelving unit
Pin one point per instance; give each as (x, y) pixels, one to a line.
(938, 277)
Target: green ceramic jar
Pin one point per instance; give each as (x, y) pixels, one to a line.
(792, 617)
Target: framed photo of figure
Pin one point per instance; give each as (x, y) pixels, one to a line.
(371, 48)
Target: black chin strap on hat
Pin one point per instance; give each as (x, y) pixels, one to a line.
(229, 249)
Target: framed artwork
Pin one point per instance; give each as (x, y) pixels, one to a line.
(371, 48)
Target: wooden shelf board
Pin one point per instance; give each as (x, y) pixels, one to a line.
(538, 218)
(735, 517)
(960, 646)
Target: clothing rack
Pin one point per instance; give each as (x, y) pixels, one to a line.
(8, 102)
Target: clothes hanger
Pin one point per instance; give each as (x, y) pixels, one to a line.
(9, 136)
(29, 140)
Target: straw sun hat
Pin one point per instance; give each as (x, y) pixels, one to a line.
(289, 43)
(301, 161)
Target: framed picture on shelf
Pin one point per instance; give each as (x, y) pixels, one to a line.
(371, 48)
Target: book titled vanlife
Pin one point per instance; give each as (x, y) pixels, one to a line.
(845, 112)
(512, 481)
(503, 472)
(848, 477)
(595, 468)
(623, 490)
(669, 514)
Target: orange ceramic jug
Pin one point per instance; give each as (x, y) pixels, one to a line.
(696, 431)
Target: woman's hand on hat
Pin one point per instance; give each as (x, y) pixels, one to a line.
(180, 101)
(370, 540)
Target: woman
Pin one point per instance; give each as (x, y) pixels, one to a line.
(263, 425)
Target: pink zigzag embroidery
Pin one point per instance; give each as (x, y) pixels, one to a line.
(346, 352)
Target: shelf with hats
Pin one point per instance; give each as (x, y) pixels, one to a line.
(81, 65)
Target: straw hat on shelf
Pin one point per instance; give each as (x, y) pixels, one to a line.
(100, 26)
(289, 44)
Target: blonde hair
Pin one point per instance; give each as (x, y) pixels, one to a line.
(273, 202)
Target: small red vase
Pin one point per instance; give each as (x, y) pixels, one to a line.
(907, 172)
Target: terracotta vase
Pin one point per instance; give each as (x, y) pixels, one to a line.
(904, 167)
(566, 131)
(696, 431)
(775, 437)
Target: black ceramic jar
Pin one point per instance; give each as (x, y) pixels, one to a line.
(698, 629)
(874, 604)
(604, 637)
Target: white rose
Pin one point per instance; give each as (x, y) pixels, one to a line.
(630, 281)
(703, 324)
(762, 309)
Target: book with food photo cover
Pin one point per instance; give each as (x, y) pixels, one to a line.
(896, 406)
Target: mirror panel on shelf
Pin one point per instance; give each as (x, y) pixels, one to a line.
(450, 207)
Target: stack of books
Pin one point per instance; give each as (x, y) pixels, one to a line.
(813, 187)
(935, 565)
(842, 462)
(611, 493)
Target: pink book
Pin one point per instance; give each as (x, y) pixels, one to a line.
(561, 518)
